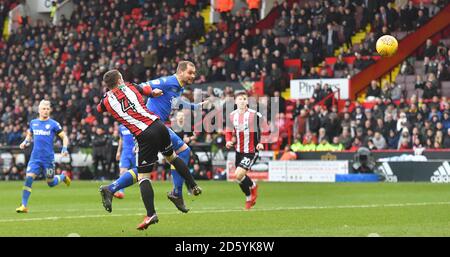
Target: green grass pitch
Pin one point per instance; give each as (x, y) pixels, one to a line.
(282, 209)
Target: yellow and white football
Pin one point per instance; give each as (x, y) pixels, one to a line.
(387, 45)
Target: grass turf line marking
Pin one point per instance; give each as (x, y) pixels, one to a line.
(201, 211)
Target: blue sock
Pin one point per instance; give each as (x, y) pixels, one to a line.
(56, 180)
(26, 190)
(125, 180)
(177, 179)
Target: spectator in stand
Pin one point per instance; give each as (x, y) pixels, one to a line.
(336, 145)
(371, 145)
(430, 49)
(345, 138)
(442, 73)
(340, 64)
(224, 7)
(421, 19)
(446, 120)
(359, 64)
(438, 139)
(373, 91)
(429, 91)
(379, 141)
(253, 6)
(446, 141)
(287, 154)
(331, 39)
(404, 140)
(392, 140)
(279, 101)
(430, 66)
(318, 93)
(356, 145)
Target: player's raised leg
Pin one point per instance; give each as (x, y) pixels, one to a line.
(184, 152)
(127, 163)
(128, 178)
(182, 170)
(176, 195)
(52, 179)
(128, 173)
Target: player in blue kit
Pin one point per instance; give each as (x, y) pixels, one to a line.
(42, 130)
(167, 92)
(172, 88)
(126, 157)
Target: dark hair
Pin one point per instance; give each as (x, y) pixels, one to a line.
(111, 78)
(240, 93)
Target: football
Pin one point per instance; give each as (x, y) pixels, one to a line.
(387, 45)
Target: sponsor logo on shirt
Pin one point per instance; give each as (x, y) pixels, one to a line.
(41, 132)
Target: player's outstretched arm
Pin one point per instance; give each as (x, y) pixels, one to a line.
(27, 140)
(147, 90)
(65, 140)
(189, 105)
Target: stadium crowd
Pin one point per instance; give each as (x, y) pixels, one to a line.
(146, 39)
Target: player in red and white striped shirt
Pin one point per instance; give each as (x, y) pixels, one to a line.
(245, 126)
(125, 103)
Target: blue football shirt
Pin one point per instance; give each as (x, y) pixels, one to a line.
(172, 90)
(44, 132)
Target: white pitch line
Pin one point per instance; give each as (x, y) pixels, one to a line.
(204, 210)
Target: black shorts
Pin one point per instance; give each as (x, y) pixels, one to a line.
(151, 141)
(245, 160)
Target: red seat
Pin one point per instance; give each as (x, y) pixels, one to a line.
(330, 60)
(293, 63)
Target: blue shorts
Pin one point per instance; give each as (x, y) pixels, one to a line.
(127, 161)
(177, 142)
(38, 166)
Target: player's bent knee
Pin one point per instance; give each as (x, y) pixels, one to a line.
(240, 173)
(142, 176)
(172, 157)
(32, 175)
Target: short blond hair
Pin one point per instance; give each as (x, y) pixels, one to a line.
(182, 65)
(44, 102)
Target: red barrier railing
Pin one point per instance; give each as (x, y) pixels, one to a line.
(333, 97)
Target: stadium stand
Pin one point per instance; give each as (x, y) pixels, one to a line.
(298, 39)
